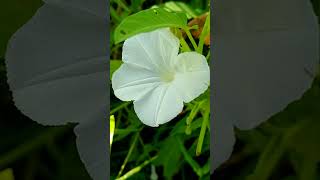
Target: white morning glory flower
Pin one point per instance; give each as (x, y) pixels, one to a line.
(264, 56)
(57, 71)
(262, 50)
(157, 78)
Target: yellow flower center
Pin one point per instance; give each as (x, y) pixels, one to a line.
(167, 77)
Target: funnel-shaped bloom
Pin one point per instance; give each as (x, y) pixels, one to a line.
(157, 78)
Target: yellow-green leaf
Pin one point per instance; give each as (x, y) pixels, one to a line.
(148, 20)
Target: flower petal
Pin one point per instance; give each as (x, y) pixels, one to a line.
(96, 7)
(132, 82)
(92, 145)
(53, 70)
(263, 57)
(193, 75)
(152, 50)
(159, 106)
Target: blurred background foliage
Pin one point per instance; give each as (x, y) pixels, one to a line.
(285, 147)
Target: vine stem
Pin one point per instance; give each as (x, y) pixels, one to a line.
(193, 42)
(184, 45)
(202, 132)
(137, 169)
(208, 56)
(128, 155)
(204, 33)
(119, 107)
(195, 166)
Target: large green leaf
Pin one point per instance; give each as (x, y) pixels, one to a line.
(173, 6)
(148, 20)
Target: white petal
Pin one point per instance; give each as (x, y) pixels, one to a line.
(152, 50)
(261, 66)
(159, 106)
(54, 70)
(92, 145)
(223, 136)
(131, 82)
(96, 7)
(192, 76)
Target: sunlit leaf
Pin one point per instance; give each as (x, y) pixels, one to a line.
(148, 20)
(173, 6)
(112, 127)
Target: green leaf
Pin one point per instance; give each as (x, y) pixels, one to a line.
(148, 20)
(173, 6)
(169, 157)
(114, 65)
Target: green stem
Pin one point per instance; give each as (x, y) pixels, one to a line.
(122, 4)
(204, 33)
(208, 56)
(184, 45)
(191, 116)
(202, 133)
(193, 42)
(128, 155)
(136, 169)
(195, 166)
(119, 107)
(114, 15)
